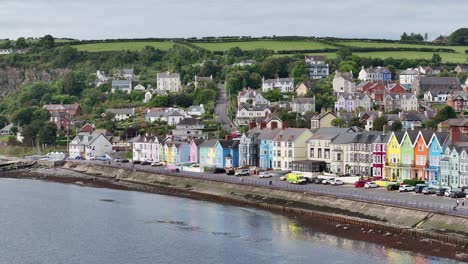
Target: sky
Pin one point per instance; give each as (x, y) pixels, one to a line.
(103, 19)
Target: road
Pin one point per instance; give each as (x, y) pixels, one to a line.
(221, 110)
(431, 203)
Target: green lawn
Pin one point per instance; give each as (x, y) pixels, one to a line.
(264, 44)
(370, 44)
(446, 56)
(117, 46)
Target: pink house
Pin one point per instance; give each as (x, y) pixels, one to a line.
(194, 150)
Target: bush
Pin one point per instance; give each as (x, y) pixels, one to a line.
(412, 182)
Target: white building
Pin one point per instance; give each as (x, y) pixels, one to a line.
(88, 145)
(139, 87)
(128, 74)
(121, 85)
(196, 110)
(352, 101)
(285, 85)
(303, 105)
(172, 116)
(288, 146)
(317, 67)
(251, 96)
(122, 113)
(148, 97)
(408, 76)
(378, 74)
(343, 82)
(436, 97)
(247, 113)
(101, 78)
(170, 82)
(147, 148)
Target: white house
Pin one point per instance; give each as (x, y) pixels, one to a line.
(251, 96)
(408, 76)
(147, 148)
(246, 113)
(170, 116)
(122, 113)
(317, 67)
(343, 82)
(101, 78)
(88, 145)
(139, 87)
(121, 85)
(303, 105)
(436, 97)
(285, 85)
(128, 74)
(378, 74)
(245, 63)
(148, 96)
(352, 101)
(196, 110)
(170, 82)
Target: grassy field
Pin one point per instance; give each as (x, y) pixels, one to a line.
(446, 56)
(370, 44)
(131, 45)
(264, 44)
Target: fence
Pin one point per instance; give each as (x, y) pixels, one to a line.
(282, 185)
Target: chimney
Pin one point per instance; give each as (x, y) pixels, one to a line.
(384, 132)
(252, 125)
(455, 135)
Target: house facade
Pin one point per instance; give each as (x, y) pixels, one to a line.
(343, 82)
(248, 149)
(246, 113)
(207, 153)
(322, 120)
(290, 145)
(378, 74)
(285, 85)
(226, 153)
(252, 97)
(124, 86)
(89, 145)
(318, 69)
(169, 82)
(406, 102)
(122, 113)
(303, 105)
(352, 101)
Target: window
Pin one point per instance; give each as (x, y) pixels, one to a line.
(338, 156)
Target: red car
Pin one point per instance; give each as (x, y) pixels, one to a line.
(360, 184)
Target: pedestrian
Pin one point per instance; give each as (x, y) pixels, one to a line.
(458, 202)
(463, 203)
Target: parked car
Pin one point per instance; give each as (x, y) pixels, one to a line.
(118, 160)
(406, 188)
(125, 161)
(156, 164)
(136, 162)
(337, 182)
(419, 187)
(79, 158)
(328, 181)
(441, 192)
(242, 172)
(317, 180)
(369, 185)
(448, 193)
(264, 174)
(144, 163)
(392, 187)
(429, 190)
(360, 183)
(173, 169)
(457, 194)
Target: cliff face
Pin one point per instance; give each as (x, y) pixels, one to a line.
(12, 78)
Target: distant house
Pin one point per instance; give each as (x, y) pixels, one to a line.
(170, 116)
(88, 145)
(290, 145)
(461, 69)
(285, 85)
(245, 63)
(412, 119)
(405, 102)
(322, 120)
(101, 78)
(246, 113)
(139, 87)
(352, 101)
(303, 105)
(201, 82)
(6, 130)
(128, 74)
(189, 128)
(170, 82)
(304, 88)
(317, 67)
(122, 113)
(343, 82)
(436, 97)
(148, 96)
(251, 96)
(458, 101)
(121, 85)
(436, 84)
(196, 110)
(248, 149)
(378, 74)
(63, 115)
(207, 153)
(408, 76)
(195, 150)
(226, 154)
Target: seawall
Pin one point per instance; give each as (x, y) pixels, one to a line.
(394, 219)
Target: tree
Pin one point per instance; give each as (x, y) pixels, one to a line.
(48, 134)
(404, 36)
(300, 71)
(356, 121)
(159, 101)
(21, 43)
(66, 56)
(338, 122)
(3, 121)
(73, 83)
(436, 58)
(347, 66)
(426, 36)
(459, 37)
(396, 125)
(445, 113)
(47, 42)
(344, 54)
(379, 123)
(273, 95)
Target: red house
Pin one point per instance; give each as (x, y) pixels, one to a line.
(63, 114)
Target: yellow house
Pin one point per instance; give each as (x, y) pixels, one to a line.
(322, 120)
(304, 88)
(207, 153)
(393, 156)
(168, 152)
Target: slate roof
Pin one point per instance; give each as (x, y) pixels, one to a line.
(409, 72)
(439, 83)
(190, 122)
(400, 96)
(278, 80)
(208, 143)
(316, 58)
(289, 134)
(303, 100)
(229, 143)
(122, 111)
(355, 96)
(121, 84)
(265, 134)
(399, 136)
(168, 75)
(328, 133)
(321, 115)
(7, 128)
(257, 107)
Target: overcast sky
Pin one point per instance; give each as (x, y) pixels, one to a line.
(100, 19)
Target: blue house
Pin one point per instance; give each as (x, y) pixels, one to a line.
(435, 150)
(265, 138)
(386, 75)
(226, 153)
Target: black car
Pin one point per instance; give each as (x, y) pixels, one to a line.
(125, 161)
(136, 162)
(441, 192)
(318, 180)
(393, 187)
(145, 163)
(457, 195)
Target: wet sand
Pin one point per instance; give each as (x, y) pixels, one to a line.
(397, 241)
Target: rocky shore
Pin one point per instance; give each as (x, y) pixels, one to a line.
(379, 236)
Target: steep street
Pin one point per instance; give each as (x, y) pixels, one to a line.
(221, 110)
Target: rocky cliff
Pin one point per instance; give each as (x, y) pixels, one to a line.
(12, 78)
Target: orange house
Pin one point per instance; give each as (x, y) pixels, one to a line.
(421, 154)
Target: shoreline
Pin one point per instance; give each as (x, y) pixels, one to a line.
(403, 242)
